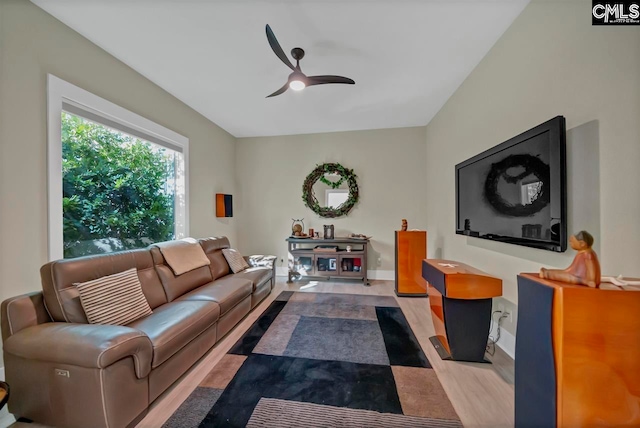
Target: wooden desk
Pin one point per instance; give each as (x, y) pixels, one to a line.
(577, 355)
(460, 299)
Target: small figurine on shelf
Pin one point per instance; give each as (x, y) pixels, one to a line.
(297, 227)
(585, 268)
(404, 225)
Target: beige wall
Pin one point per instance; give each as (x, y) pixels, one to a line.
(33, 44)
(389, 164)
(550, 62)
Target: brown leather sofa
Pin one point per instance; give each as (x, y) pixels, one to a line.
(66, 372)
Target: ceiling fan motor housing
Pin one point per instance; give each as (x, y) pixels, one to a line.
(297, 53)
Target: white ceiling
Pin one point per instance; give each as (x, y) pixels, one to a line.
(407, 57)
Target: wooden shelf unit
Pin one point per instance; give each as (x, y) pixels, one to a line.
(308, 262)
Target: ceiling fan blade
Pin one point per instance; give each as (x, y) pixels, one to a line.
(279, 91)
(323, 80)
(273, 42)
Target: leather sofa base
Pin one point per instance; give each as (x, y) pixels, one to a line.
(137, 420)
(233, 316)
(171, 370)
(261, 292)
(41, 393)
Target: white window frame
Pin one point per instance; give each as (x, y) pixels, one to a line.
(59, 93)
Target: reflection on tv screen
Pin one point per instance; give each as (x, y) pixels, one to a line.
(514, 194)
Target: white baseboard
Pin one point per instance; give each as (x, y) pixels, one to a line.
(6, 418)
(371, 274)
(507, 340)
(388, 275)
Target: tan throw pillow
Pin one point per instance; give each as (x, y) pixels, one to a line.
(183, 255)
(237, 263)
(114, 299)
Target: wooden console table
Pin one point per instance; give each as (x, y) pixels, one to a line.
(577, 355)
(308, 262)
(460, 299)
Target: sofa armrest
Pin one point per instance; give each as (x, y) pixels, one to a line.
(84, 345)
(263, 260)
(21, 312)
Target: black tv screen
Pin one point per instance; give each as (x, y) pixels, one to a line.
(516, 191)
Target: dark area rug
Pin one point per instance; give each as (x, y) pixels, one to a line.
(322, 359)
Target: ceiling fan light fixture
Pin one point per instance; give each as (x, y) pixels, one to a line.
(297, 85)
(297, 80)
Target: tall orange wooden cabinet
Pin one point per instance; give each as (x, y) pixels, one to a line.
(411, 249)
(577, 355)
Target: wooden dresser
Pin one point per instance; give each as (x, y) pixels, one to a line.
(411, 249)
(577, 355)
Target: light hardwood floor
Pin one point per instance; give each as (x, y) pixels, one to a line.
(480, 395)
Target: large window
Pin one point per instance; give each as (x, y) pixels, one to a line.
(116, 180)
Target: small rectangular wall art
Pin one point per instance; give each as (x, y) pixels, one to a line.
(224, 205)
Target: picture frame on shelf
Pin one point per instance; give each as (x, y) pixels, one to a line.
(328, 231)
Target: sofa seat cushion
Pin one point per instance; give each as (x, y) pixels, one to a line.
(257, 275)
(173, 325)
(227, 291)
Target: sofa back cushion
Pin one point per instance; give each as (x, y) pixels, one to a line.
(177, 285)
(213, 249)
(62, 298)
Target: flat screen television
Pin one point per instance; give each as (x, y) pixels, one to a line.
(516, 191)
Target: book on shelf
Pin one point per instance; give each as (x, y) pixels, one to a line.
(326, 248)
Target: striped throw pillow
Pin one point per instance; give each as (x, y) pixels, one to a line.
(237, 263)
(114, 299)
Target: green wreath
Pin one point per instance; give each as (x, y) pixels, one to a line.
(318, 173)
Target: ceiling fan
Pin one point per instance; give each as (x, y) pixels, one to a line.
(298, 80)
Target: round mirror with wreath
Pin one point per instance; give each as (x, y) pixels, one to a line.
(345, 177)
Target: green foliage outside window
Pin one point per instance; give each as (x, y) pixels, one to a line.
(118, 190)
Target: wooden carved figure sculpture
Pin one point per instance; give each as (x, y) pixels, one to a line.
(585, 268)
(404, 224)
